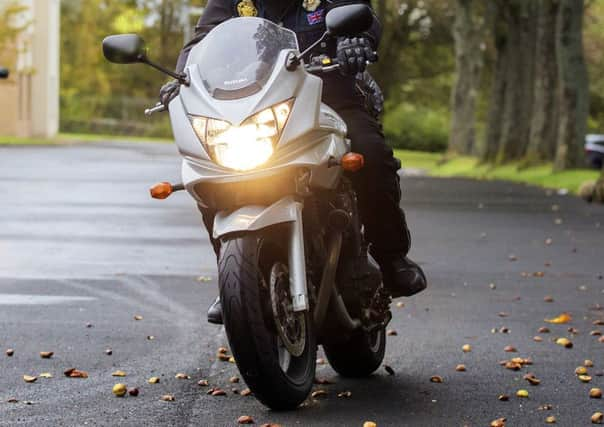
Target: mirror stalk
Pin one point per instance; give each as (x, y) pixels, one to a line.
(182, 78)
(294, 61)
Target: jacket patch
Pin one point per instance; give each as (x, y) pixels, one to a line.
(316, 17)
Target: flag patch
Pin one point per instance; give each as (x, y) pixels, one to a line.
(316, 17)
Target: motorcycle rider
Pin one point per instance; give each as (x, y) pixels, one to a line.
(356, 98)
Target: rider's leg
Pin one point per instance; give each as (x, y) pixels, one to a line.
(215, 310)
(379, 195)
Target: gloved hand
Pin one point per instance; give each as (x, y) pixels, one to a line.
(169, 91)
(353, 54)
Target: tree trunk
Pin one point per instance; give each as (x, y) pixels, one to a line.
(468, 32)
(516, 120)
(498, 84)
(573, 86)
(544, 125)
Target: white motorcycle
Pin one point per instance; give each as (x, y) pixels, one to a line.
(261, 149)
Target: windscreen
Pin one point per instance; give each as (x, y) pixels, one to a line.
(237, 58)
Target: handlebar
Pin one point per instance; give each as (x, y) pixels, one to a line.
(327, 65)
(159, 107)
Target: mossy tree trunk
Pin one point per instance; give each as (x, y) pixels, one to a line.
(544, 122)
(469, 34)
(573, 86)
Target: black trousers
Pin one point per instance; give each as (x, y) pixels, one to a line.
(377, 184)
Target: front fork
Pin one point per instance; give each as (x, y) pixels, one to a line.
(297, 263)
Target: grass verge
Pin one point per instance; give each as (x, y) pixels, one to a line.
(470, 167)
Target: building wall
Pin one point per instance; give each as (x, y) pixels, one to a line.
(29, 100)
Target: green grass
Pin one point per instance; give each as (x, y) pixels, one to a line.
(435, 165)
(74, 138)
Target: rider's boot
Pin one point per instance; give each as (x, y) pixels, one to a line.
(401, 276)
(215, 312)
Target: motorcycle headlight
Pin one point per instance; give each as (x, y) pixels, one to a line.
(248, 145)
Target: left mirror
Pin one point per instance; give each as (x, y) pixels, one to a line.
(124, 49)
(4, 73)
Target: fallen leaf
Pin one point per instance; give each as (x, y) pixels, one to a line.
(29, 378)
(245, 419)
(150, 337)
(532, 379)
(168, 398)
(319, 393)
(573, 331)
(549, 241)
(46, 375)
(153, 380)
(503, 314)
(499, 422)
(231, 359)
(182, 377)
(218, 392)
(588, 363)
(522, 393)
(510, 349)
(539, 274)
(548, 298)
(512, 258)
(12, 400)
(460, 368)
(597, 418)
(598, 322)
(391, 333)
(119, 390)
(321, 361)
(504, 397)
(514, 366)
(223, 357)
(563, 318)
(203, 383)
(10, 352)
(138, 317)
(74, 373)
(133, 391)
(345, 394)
(504, 330)
(550, 420)
(543, 330)
(400, 305)
(581, 370)
(108, 352)
(204, 279)
(546, 407)
(234, 380)
(322, 381)
(46, 354)
(466, 348)
(369, 424)
(118, 374)
(246, 392)
(270, 425)
(584, 378)
(564, 342)
(389, 370)
(595, 333)
(492, 286)
(537, 339)
(595, 393)
(436, 379)
(601, 339)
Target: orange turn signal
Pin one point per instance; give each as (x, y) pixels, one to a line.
(161, 191)
(353, 162)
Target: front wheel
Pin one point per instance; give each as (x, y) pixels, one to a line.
(274, 347)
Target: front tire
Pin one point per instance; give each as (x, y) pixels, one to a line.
(248, 266)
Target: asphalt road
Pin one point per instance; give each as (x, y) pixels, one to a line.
(83, 250)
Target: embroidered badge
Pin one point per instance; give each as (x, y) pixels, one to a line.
(316, 17)
(311, 5)
(247, 8)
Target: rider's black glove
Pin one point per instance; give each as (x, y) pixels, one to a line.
(169, 91)
(353, 54)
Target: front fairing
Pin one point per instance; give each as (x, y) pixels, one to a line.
(199, 98)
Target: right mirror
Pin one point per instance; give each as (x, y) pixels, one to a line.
(349, 21)
(4, 73)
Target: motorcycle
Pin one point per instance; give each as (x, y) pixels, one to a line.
(261, 150)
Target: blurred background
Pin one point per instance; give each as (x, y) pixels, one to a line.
(511, 83)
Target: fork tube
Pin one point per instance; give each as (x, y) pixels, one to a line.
(297, 263)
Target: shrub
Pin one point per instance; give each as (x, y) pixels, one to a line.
(416, 128)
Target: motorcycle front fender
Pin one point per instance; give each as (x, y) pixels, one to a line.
(256, 218)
